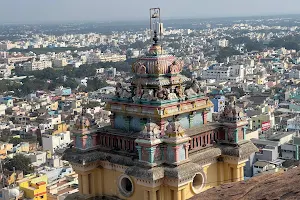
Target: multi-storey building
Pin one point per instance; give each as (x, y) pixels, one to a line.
(34, 187)
(37, 65)
(100, 57)
(223, 43)
(160, 144)
(15, 59)
(4, 46)
(222, 72)
(60, 62)
(53, 140)
(5, 70)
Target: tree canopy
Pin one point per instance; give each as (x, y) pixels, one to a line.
(50, 78)
(226, 52)
(19, 162)
(288, 42)
(15, 141)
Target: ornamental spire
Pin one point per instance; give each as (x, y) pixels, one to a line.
(156, 27)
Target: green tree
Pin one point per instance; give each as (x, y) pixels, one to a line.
(129, 54)
(175, 45)
(254, 46)
(139, 45)
(71, 83)
(19, 162)
(82, 88)
(15, 141)
(91, 104)
(95, 84)
(226, 52)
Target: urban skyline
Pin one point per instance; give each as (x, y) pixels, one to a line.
(171, 111)
(74, 11)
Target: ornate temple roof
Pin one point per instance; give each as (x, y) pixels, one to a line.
(233, 113)
(158, 80)
(156, 62)
(244, 148)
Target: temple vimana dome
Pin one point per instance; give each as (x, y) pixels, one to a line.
(161, 143)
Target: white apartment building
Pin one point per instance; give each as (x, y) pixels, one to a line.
(294, 73)
(262, 166)
(221, 72)
(237, 71)
(37, 65)
(249, 69)
(100, 57)
(55, 141)
(5, 70)
(49, 123)
(37, 158)
(100, 71)
(223, 43)
(293, 123)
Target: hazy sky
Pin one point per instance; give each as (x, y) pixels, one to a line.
(21, 11)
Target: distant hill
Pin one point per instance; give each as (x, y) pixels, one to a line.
(279, 186)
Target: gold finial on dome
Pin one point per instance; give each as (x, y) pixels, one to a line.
(156, 48)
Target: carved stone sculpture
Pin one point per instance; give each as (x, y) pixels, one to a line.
(161, 93)
(148, 95)
(176, 67)
(194, 89)
(141, 69)
(126, 94)
(150, 131)
(122, 92)
(179, 91)
(119, 90)
(174, 128)
(172, 96)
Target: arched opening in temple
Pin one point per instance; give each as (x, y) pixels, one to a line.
(198, 181)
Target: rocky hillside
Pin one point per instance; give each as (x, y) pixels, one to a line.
(277, 186)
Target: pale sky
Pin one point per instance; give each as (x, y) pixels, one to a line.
(30, 11)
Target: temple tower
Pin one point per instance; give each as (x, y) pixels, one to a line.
(160, 144)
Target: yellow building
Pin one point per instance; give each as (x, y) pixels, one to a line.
(60, 128)
(4, 147)
(34, 187)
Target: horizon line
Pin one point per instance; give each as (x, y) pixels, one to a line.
(142, 20)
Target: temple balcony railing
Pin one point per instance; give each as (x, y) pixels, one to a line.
(203, 137)
(112, 140)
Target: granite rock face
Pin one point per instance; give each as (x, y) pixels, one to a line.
(280, 185)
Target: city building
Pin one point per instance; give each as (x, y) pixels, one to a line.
(219, 103)
(34, 187)
(5, 46)
(223, 43)
(222, 72)
(54, 140)
(8, 101)
(97, 57)
(37, 65)
(60, 62)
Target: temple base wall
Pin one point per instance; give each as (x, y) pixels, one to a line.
(106, 182)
